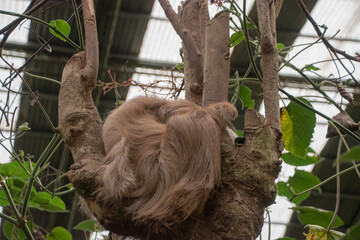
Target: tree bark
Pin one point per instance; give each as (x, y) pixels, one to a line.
(217, 60)
(269, 60)
(193, 63)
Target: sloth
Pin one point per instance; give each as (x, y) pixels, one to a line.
(163, 157)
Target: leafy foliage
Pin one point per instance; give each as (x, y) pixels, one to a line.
(59, 233)
(353, 233)
(89, 225)
(280, 46)
(14, 169)
(310, 67)
(24, 127)
(236, 38)
(244, 95)
(297, 126)
(298, 161)
(17, 176)
(15, 233)
(180, 66)
(301, 181)
(62, 26)
(317, 216)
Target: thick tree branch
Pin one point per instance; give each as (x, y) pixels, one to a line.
(91, 40)
(269, 60)
(80, 124)
(217, 60)
(204, 19)
(193, 58)
(79, 121)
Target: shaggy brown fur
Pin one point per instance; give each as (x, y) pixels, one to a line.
(164, 156)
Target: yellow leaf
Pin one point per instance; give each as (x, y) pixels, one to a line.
(316, 233)
(286, 125)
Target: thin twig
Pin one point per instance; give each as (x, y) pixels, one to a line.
(323, 182)
(30, 10)
(34, 172)
(347, 148)
(313, 84)
(337, 204)
(42, 77)
(28, 60)
(308, 46)
(20, 219)
(326, 42)
(78, 24)
(33, 95)
(318, 31)
(7, 218)
(68, 40)
(10, 27)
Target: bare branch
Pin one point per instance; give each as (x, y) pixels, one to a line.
(269, 59)
(217, 60)
(91, 40)
(204, 19)
(79, 121)
(193, 57)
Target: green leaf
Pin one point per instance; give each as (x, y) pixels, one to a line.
(280, 46)
(348, 81)
(284, 190)
(353, 233)
(13, 169)
(301, 181)
(353, 155)
(180, 66)
(15, 233)
(59, 233)
(17, 186)
(286, 238)
(24, 127)
(46, 202)
(42, 198)
(62, 26)
(317, 216)
(250, 25)
(297, 126)
(236, 38)
(3, 199)
(89, 226)
(298, 161)
(239, 133)
(310, 67)
(244, 95)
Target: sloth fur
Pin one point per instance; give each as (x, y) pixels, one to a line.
(163, 157)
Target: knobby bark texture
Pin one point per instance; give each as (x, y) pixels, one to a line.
(236, 208)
